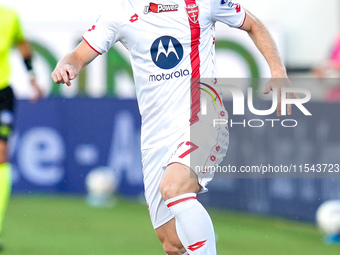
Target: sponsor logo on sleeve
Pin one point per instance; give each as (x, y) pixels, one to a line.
(231, 5)
(227, 3)
(238, 8)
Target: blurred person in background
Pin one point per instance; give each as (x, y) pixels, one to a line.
(11, 35)
(331, 69)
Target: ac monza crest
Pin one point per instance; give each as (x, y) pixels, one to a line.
(193, 12)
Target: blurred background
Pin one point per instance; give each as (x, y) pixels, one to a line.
(96, 123)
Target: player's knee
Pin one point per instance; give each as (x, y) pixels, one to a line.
(3, 152)
(3, 158)
(173, 189)
(170, 190)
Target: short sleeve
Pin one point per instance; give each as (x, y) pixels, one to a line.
(227, 12)
(104, 33)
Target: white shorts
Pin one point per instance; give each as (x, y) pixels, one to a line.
(201, 146)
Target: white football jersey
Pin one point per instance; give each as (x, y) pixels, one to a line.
(170, 42)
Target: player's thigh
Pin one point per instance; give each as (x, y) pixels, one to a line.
(154, 162)
(199, 152)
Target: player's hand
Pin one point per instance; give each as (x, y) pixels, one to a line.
(278, 84)
(37, 91)
(64, 73)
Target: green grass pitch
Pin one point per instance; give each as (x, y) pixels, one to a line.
(64, 225)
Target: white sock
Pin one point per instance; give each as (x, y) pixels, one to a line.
(193, 224)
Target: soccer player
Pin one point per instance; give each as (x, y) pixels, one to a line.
(10, 35)
(171, 46)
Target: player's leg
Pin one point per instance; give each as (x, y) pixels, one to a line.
(180, 184)
(6, 125)
(161, 217)
(5, 186)
(193, 224)
(168, 236)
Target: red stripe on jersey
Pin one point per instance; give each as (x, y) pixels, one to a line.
(195, 66)
(245, 16)
(91, 46)
(180, 201)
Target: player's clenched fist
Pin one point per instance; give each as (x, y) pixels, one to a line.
(64, 73)
(72, 64)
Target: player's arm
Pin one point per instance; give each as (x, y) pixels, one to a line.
(266, 45)
(73, 63)
(26, 52)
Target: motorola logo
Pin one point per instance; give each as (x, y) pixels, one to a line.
(166, 52)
